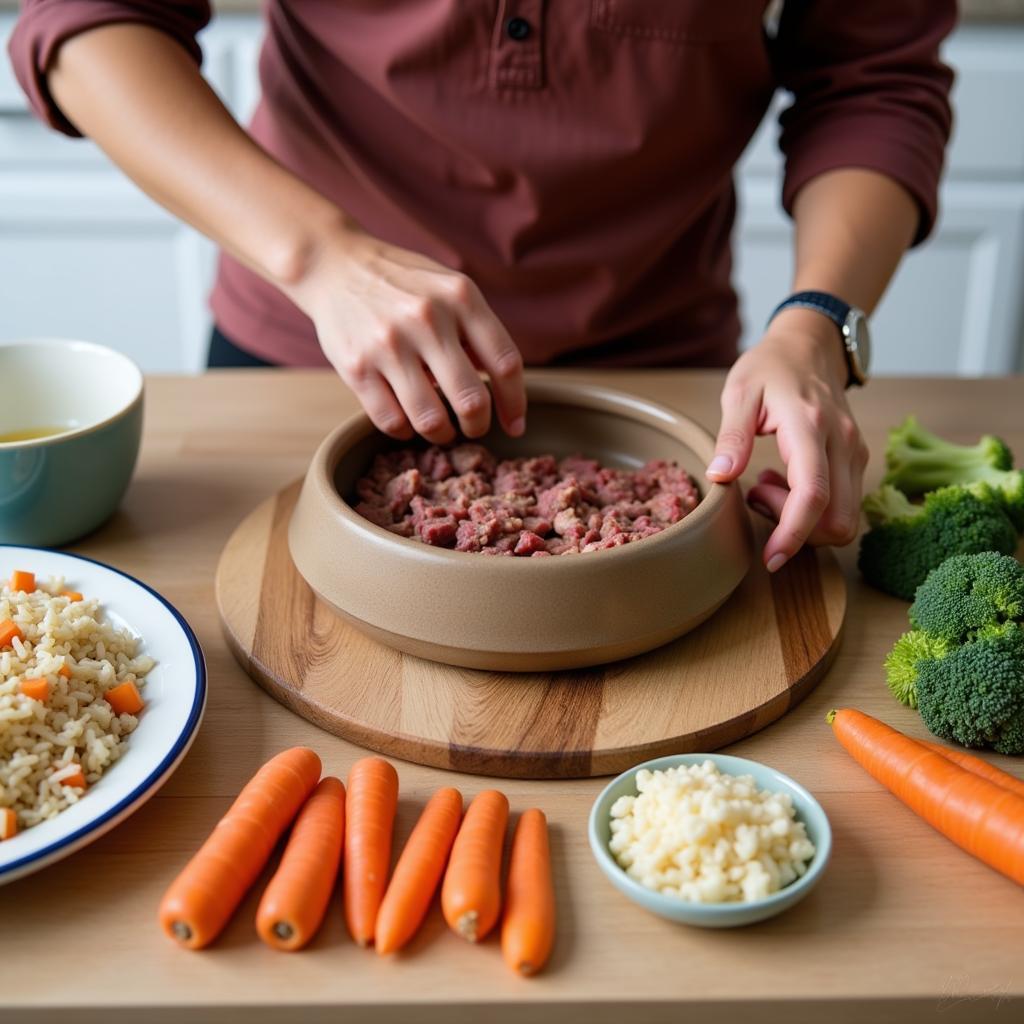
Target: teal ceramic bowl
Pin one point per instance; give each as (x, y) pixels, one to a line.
(70, 426)
(713, 915)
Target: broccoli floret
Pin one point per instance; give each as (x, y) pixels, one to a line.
(901, 663)
(967, 593)
(906, 541)
(975, 694)
(918, 461)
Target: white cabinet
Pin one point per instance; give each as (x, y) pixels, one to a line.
(83, 253)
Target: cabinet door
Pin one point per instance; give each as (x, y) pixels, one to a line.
(83, 253)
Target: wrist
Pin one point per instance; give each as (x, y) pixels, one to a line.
(811, 338)
(295, 261)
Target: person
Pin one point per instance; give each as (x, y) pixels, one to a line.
(433, 188)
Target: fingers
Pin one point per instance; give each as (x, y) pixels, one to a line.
(497, 354)
(419, 398)
(740, 409)
(809, 494)
(458, 379)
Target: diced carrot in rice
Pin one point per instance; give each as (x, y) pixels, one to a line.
(76, 778)
(24, 581)
(9, 631)
(37, 689)
(71, 595)
(8, 823)
(64, 671)
(125, 699)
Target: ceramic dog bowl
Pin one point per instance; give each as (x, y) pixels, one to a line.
(72, 419)
(527, 614)
(713, 915)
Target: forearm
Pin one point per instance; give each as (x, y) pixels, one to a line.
(137, 94)
(852, 228)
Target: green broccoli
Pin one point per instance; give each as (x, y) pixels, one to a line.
(975, 693)
(901, 663)
(917, 461)
(967, 593)
(906, 541)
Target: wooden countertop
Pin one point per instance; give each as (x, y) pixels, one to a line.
(903, 926)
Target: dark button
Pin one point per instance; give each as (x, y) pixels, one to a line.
(518, 29)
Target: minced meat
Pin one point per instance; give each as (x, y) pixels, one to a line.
(465, 498)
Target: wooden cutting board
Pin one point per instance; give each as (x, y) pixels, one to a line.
(760, 654)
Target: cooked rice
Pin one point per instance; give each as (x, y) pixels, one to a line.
(41, 743)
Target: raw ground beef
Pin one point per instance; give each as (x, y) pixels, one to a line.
(464, 498)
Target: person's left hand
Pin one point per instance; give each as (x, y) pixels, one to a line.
(792, 384)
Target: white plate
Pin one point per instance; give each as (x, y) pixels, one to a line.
(175, 694)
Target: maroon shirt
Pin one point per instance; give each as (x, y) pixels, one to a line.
(574, 158)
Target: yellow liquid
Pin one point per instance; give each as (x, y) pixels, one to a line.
(32, 434)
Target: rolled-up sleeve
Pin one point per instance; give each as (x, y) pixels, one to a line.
(44, 24)
(869, 90)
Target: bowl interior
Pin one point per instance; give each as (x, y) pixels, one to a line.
(557, 424)
(808, 810)
(62, 385)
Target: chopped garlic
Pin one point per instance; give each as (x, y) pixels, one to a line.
(707, 837)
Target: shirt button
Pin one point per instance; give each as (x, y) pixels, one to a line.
(518, 29)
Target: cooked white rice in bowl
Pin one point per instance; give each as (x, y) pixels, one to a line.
(44, 743)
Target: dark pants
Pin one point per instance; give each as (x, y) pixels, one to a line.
(225, 354)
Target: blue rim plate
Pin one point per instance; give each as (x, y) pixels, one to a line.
(175, 694)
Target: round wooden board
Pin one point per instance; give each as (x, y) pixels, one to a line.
(760, 654)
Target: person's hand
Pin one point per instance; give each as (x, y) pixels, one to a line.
(792, 384)
(393, 322)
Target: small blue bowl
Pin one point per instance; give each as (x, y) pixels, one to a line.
(70, 426)
(713, 915)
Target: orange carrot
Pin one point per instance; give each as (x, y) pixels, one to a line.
(978, 766)
(294, 903)
(528, 930)
(71, 595)
(25, 581)
(8, 631)
(65, 671)
(418, 871)
(37, 689)
(981, 817)
(8, 823)
(125, 699)
(371, 806)
(201, 900)
(76, 779)
(471, 893)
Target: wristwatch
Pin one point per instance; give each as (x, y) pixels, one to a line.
(852, 324)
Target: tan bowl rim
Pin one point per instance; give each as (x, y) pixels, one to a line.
(545, 392)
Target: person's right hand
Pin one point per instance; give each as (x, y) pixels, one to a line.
(392, 322)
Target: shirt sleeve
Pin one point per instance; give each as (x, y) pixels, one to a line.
(869, 90)
(44, 25)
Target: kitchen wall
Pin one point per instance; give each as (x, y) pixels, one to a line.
(84, 254)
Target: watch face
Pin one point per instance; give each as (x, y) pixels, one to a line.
(858, 343)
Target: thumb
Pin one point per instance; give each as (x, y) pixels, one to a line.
(735, 440)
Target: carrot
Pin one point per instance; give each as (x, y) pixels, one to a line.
(125, 699)
(37, 689)
(65, 671)
(981, 817)
(294, 903)
(418, 871)
(977, 766)
(71, 595)
(8, 631)
(25, 581)
(372, 802)
(201, 900)
(76, 779)
(8, 823)
(471, 893)
(528, 930)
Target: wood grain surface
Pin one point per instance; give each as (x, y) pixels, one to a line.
(710, 688)
(903, 927)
